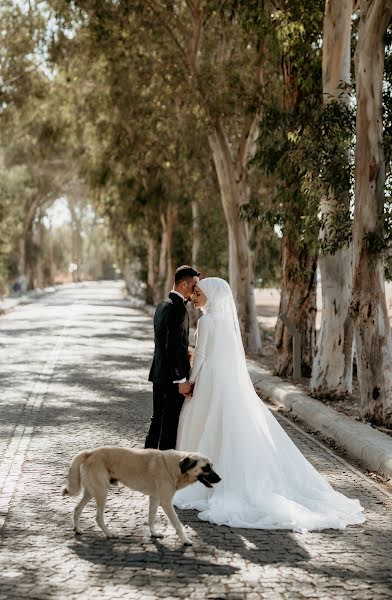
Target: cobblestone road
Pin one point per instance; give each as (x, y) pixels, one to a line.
(73, 375)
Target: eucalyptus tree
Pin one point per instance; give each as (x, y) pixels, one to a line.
(34, 138)
(21, 82)
(368, 305)
(223, 67)
(13, 186)
(215, 70)
(144, 151)
(288, 140)
(37, 133)
(332, 367)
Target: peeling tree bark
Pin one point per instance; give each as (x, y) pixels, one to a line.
(231, 168)
(368, 305)
(298, 299)
(332, 366)
(234, 194)
(299, 263)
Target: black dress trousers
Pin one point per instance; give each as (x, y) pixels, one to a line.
(167, 404)
(170, 363)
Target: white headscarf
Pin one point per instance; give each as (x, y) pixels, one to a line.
(220, 303)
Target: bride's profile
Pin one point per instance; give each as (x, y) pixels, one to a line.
(266, 482)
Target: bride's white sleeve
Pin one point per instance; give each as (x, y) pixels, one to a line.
(200, 350)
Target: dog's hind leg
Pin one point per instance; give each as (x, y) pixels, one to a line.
(175, 521)
(100, 498)
(78, 510)
(152, 512)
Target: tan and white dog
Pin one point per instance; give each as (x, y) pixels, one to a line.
(157, 473)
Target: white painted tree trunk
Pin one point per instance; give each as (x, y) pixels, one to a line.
(368, 305)
(332, 366)
(233, 195)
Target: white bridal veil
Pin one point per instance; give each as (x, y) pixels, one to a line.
(266, 481)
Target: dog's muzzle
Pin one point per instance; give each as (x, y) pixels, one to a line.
(208, 479)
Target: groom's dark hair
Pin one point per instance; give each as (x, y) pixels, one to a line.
(184, 272)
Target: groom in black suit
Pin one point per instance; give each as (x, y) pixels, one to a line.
(171, 367)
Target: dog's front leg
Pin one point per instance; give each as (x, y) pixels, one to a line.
(175, 521)
(152, 512)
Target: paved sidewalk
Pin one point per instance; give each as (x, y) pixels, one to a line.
(73, 375)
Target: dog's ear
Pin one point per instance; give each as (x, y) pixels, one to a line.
(187, 463)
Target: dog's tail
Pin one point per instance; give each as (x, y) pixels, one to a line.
(74, 482)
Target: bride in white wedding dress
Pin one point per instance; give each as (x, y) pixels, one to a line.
(266, 482)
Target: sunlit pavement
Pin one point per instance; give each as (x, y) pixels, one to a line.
(73, 375)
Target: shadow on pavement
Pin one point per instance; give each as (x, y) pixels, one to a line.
(260, 546)
(180, 563)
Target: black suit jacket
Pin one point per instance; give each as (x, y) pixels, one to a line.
(171, 336)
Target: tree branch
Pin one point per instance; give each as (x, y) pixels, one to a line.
(165, 14)
(197, 19)
(247, 144)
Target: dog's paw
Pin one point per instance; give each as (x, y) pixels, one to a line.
(110, 535)
(156, 535)
(187, 542)
(77, 531)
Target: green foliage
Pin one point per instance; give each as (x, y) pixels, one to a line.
(305, 142)
(99, 95)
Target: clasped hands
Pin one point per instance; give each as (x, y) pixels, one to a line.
(186, 388)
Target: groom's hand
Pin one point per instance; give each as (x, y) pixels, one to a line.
(184, 388)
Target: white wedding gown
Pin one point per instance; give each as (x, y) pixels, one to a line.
(266, 482)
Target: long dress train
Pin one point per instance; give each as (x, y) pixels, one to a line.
(266, 482)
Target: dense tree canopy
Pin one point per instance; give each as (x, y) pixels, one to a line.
(193, 131)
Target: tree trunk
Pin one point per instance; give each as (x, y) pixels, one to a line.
(368, 305)
(166, 267)
(162, 255)
(76, 226)
(40, 242)
(194, 313)
(195, 232)
(299, 267)
(298, 300)
(234, 194)
(332, 366)
(22, 255)
(151, 292)
(26, 244)
(171, 219)
(30, 258)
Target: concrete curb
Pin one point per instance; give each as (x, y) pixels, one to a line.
(372, 448)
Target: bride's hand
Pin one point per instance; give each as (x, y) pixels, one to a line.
(191, 354)
(190, 394)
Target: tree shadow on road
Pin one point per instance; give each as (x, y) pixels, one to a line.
(125, 552)
(260, 546)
